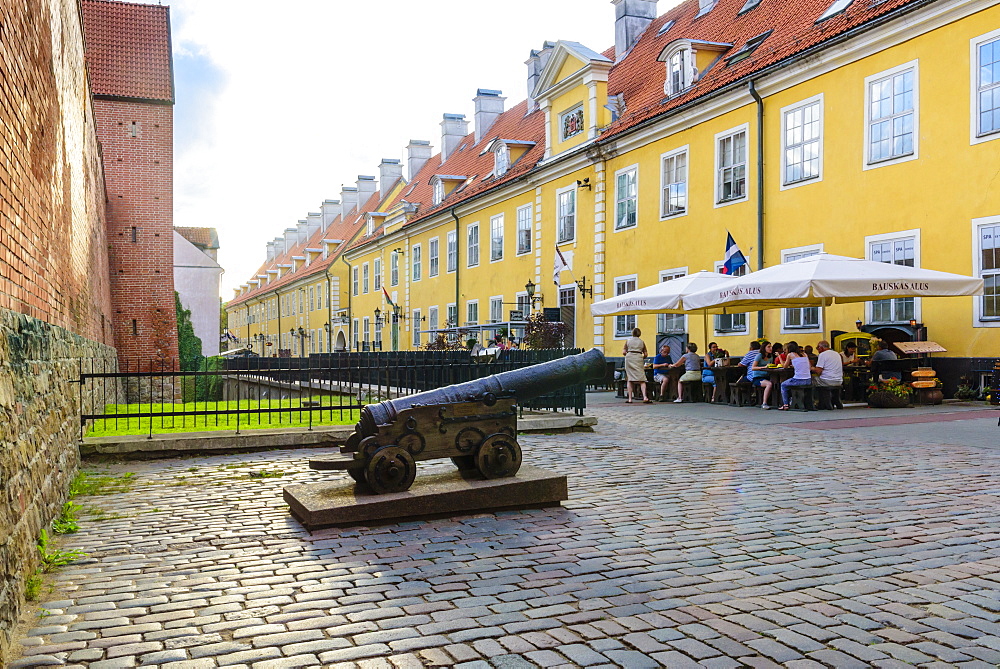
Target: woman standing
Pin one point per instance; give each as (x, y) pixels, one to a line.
(635, 372)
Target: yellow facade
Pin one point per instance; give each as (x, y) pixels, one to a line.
(927, 202)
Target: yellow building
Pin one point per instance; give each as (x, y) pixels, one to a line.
(858, 128)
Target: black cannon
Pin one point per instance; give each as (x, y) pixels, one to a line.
(473, 423)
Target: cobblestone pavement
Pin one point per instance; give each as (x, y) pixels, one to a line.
(686, 543)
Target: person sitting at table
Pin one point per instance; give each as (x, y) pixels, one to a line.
(849, 356)
(808, 350)
(635, 372)
(778, 351)
(760, 375)
(691, 362)
(747, 360)
(797, 360)
(883, 353)
(829, 368)
(708, 371)
(661, 374)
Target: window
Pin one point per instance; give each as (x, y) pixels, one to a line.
(364, 278)
(433, 259)
(472, 312)
(319, 296)
(751, 45)
(891, 115)
(671, 323)
(571, 123)
(837, 7)
(501, 159)
(731, 323)
(897, 249)
(432, 321)
(378, 334)
(416, 327)
(802, 133)
(523, 304)
(377, 274)
(496, 309)
(567, 314)
(987, 262)
(986, 87)
(566, 215)
(731, 166)
(805, 318)
(417, 265)
(679, 72)
(473, 245)
(674, 183)
(357, 335)
(452, 251)
(496, 238)
(394, 269)
(452, 316)
(438, 193)
(367, 333)
(370, 227)
(624, 324)
(355, 282)
(524, 229)
(626, 197)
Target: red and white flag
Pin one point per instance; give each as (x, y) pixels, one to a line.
(560, 265)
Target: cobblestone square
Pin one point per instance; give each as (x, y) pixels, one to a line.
(686, 542)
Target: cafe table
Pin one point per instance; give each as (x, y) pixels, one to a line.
(857, 378)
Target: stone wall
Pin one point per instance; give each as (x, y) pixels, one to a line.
(55, 299)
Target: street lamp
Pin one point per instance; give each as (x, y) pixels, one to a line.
(329, 339)
(378, 317)
(858, 324)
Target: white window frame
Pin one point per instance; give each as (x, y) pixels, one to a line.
(867, 164)
(523, 215)
(785, 329)
(357, 334)
(394, 269)
(416, 262)
(892, 236)
(501, 159)
(416, 328)
(974, 44)
(685, 150)
(619, 199)
(785, 111)
(365, 278)
(377, 274)
(977, 265)
(432, 321)
(433, 256)
(366, 330)
(438, 191)
(686, 70)
(469, 247)
(448, 309)
(837, 7)
(717, 192)
(494, 237)
(746, 315)
(468, 306)
(571, 189)
(496, 310)
(674, 273)
(627, 332)
(521, 298)
(355, 279)
(451, 244)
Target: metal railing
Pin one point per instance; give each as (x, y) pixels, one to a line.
(146, 397)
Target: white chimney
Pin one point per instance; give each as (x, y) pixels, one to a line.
(418, 152)
(390, 171)
(303, 231)
(291, 238)
(315, 221)
(330, 209)
(279, 246)
(348, 201)
(270, 250)
(454, 128)
(632, 17)
(489, 106)
(536, 63)
(366, 187)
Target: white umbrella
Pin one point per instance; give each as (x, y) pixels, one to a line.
(822, 279)
(665, 297)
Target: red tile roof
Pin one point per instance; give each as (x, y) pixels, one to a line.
(128, 49)
(206, 238)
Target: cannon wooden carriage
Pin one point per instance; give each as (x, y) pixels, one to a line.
(473, 423)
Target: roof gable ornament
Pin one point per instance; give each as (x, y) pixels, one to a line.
(591, 63)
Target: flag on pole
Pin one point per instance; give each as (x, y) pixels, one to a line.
(734, 257)
(560, 265)
(387, 298)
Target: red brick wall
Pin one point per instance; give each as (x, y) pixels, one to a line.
(53, 252)
(139, 172)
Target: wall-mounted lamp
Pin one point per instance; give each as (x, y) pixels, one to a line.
(529, 288)
(378, 317)
(582, 286)
(398, 251)
(326, 326)
(913, 322)
(858, 324)
(585, 183)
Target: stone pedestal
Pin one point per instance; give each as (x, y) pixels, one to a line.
(439, 494)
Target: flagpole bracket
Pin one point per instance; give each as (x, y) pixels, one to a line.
(581, 285)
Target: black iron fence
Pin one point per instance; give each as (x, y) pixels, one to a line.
(157, 396)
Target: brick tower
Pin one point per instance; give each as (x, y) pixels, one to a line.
(131, 76)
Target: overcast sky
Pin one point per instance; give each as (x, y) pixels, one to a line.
(280, 104)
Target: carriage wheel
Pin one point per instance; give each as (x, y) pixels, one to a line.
(464, 462)
(391, 469)
(498, 457)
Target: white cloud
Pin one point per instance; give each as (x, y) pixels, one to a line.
(278, 105)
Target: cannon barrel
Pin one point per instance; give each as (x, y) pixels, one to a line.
(523, 384)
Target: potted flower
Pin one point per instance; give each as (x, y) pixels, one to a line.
(889, 394)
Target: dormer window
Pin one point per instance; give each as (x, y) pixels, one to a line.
(704, 7)
(748, 48)
(750, 4)
(681, 70)
(438, 191)
(370, 229)
(501, 159)
(836, 8)
(444, 184)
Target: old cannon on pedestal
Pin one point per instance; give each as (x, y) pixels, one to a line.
(473, 423)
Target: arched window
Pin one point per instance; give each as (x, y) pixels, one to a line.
(682, 71)
(501, 159)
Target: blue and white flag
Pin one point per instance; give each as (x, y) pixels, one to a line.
(734, 257)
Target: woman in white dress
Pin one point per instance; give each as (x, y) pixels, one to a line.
(635, 358)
